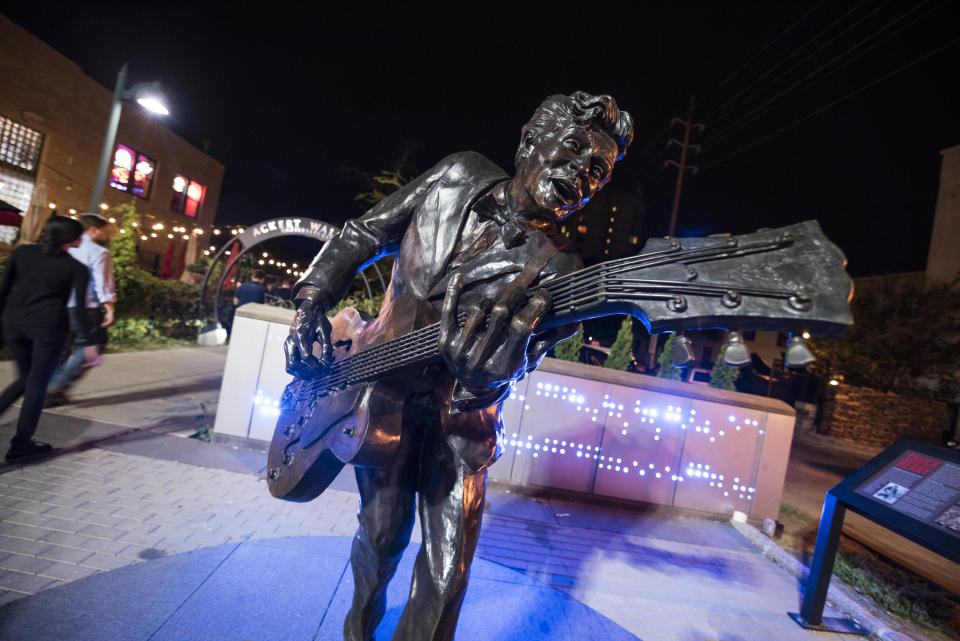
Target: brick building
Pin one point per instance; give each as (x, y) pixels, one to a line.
(53, 118)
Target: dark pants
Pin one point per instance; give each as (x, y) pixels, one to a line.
(451, 504)
(37, 351)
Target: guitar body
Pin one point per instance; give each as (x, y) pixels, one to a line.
(317, 433)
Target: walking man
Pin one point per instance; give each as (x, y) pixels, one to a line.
(97, 309)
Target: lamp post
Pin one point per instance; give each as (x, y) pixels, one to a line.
(148, 96)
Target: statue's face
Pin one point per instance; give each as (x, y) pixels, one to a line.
(560, 173)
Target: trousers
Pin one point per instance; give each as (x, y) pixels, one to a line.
(73, 368)
(36, 351)
(451, 500)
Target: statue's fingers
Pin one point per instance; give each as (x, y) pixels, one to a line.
(492, 337)
(530, 315)
(448, 312)
(471, 328)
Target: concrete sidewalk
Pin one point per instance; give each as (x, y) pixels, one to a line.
(129, 491)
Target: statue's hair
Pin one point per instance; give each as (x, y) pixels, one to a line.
(596, 112)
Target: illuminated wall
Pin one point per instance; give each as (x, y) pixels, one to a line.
(575, 427)
(593, 430)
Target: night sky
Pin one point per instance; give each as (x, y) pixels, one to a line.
(298, 103)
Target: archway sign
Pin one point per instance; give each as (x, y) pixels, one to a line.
(239, 245)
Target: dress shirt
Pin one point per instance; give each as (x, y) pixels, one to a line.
(98, 261)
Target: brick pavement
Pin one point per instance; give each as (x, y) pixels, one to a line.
(97, 510)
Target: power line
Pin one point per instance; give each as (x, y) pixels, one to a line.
(835, 102)
(718, 112)
(816, 74)
(768, 45)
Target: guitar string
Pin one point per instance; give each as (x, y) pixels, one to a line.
(417, 344)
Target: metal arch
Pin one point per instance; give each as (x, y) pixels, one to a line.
(247, 240)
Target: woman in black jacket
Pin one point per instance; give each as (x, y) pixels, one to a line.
(34, 290)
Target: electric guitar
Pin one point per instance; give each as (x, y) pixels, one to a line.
(787, 279)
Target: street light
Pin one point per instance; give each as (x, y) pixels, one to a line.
(149, 96)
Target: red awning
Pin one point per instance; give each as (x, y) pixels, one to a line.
(10, 218)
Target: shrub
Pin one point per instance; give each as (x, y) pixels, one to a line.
(569, 349)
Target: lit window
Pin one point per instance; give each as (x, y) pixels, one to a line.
(187, 196)
(19, 146)
(132, 172)
(634, 240)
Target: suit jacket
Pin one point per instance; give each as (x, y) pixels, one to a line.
(443, 223)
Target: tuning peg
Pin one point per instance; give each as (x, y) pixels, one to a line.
(737, 354)
(798, 352)
(680, 351)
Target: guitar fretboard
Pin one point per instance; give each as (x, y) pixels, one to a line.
(569, 293)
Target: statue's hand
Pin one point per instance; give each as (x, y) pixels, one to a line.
(309, 326)
(486, 356)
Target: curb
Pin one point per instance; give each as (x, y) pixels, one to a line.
(840, 596)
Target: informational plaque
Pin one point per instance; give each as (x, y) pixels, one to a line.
(922, 486)
(910, 488)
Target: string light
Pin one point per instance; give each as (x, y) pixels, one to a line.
(216, 232)
(52, 205)
(103, 206)
(73, 211)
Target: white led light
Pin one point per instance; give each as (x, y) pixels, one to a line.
(579, 454)
(732, 418)
(650, 466)
(726, 493)
(537, 446)
(553, 449)
(536, 454)
(643, 472)
(712, 439)
(635, 463)
(658, 474)
(563, 451)
(656, 438)
(666, 468)
(623, 432)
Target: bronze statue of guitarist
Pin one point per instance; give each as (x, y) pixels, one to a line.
(471, 242)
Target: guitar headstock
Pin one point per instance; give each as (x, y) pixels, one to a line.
(787, 279)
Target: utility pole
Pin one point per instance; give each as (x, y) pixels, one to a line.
(682, 168)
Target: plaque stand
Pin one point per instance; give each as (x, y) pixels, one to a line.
(821, 569)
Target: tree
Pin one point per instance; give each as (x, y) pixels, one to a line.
(620, 352)
(723, 376)
(569, 349)
(902, 332)
(667, 370)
